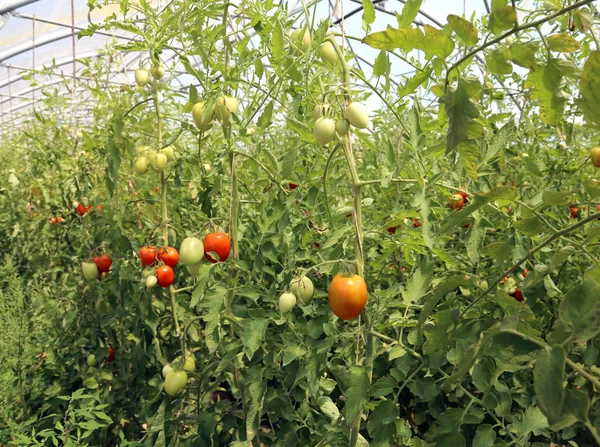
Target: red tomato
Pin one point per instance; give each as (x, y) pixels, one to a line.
(416, 223)
(148, 255)
(219, 243)
(53, 220)
(574, 211)
(60, 220)
(347, 296)
(170, 256)
(518, 295)
(456, 202)
(392, 230)
(467, 225)
(464, 195)
(99, 208)
(292, 185)
(525, 272)
(165, 276)
(81, 210)
(111, 355)
(103, 262)
(316, 244)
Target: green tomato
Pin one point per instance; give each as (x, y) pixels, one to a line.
(287, 301)
(166, 370)
(190, 364)
(300, 40)
(303, 288)
(157, 71)
(321, 111)
(324, 130)
(151, 281)
(168, 152)
(141, 165)
(221, 113)
(193, 269)
(484, 284)
(91, 360)
(142, 150)
(328, 54)
(175, 382)
(230, 102)
(160, 162)
(142, 77)
(342, 127)
(197, 113)
(358, 115)
(90, 270)
(191, 251)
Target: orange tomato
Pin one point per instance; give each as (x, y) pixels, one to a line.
(347, 296)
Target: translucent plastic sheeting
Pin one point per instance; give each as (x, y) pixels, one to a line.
(37, 34)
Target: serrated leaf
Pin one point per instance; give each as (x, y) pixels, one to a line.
(266, 117)
(498, 62)
(419, 282)
(291, 353)
(502, 17)
(461, 110)
(409, 12)
(576, 408)
(474, 240)
(393, 38)
(580, 310)
(276, 41)
(529, 227)
(589, 88)
(252, 334)
(357, 394)
(544, 84)
(368, 16)
(499, 141)
(561, 256)
(469, 155)
(382, 65)
(302, 130)
(562, 43)
(411, 84)
(523, 54)
(464, 29)
(485, 436)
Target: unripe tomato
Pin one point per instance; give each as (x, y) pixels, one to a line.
(168, 152)
(141, 165)
(300, 40)
(230, 102)
(157, 71)
(166, 370)
(287, 301)
(197, 112)
(151, 281)
(193, 269)
(190, 363)
(103, 262)
(596, 156)
(250, 131)
(456, 202)
(321, 111)
(148, 255)
(221, 113)
(303, 288)
(175, 382)
(342, 127)
(165, 276)
(142, 150)
(159, 162)
(328, 54)
(111, 355)
(574, 211)
(81, 210)
(347, 296)
(91, 360)
(168, 256)
(142, 77)
(484, 284)
(191, 251)
(90, 270)
(324, 130)
(358, 115)
(218, 243)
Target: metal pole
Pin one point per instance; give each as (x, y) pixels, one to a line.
(11, 5)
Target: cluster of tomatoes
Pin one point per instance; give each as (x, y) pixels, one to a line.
(512, 288)
(98, 268)
(56, 220)
(82, 210)
(191, 253)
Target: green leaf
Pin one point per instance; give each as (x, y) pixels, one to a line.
(583, 19)
(368, 16)
(302, 130)
(561, 256)
(589, 88)
(545, 83)
(291, 353)
(469, 155)
(563, 43)
(393, 38)
(90, 382)
(254, 385)
(580, 310)
(328, 408)
(576, 408)
(276, 42)
(382, 65)
(436, 334)
(409, 12)
(411, 84)
(454, 439)
(419, 282)
(383, 386)
(548, 376)
(502, 17)
(499, 141)
(474, 240)
(436, 43)
(384, 414)
(485, 436)
(461, 110)
(556, 198)
(465, 30)
(592, 187)
(357, 394)
(266, 117)
(523, 54)
(498, 62)
(532, 421)
(529, 227)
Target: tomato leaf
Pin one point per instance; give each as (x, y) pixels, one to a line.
(548, 376)
(461, 110)
(590, 89)
(464, 29)
(368, 16)
(580, 310)
(409, 12)
(356, 394)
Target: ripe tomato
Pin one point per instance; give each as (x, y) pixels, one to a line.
(525, 272)
(518, 295)
(292, 185)
(467, 225)
(464, 195)
(165, 276)
(81, 210)
(574, 211)
(60, 220)
(392, 230)
(456, 202)
(170, 256)
(416, 223)
(111, 355)
(218, 243)
(99, 208)
(53, 220)
(596, 157)
(103, 262)
(148, 255)
(347, 296)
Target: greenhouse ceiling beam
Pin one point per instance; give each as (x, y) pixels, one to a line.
(11, 5)
(28, 46)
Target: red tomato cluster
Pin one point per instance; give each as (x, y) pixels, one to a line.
(82, 210)
(148, 255)
(56, 220)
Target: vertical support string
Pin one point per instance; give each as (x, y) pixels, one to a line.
(74, 60)
(33, 59)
